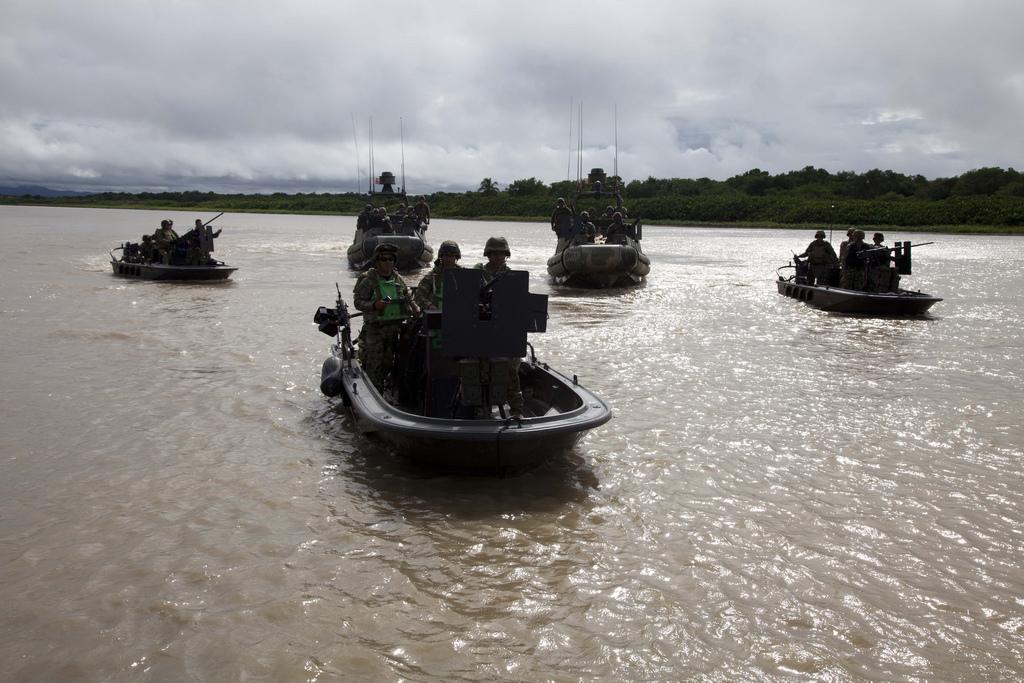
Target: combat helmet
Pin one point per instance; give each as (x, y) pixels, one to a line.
(384, 248)
(878, 236)
(448, 247)
(497, 244)
(820, 233)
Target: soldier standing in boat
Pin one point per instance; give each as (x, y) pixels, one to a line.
(497, 252)
(880, 274)
(363, 219)
(821, 258)
(429, 293)
(843, 246)
(422, 210)
(382, 296)
(165, 239)
(200, 243)
(854, 275)
(561, 217)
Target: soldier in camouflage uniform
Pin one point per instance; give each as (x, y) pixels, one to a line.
(560, 215)
(854, 275)
(880, 274)
(843, 246)
(429, 293)
(587, 233)
(381, 294)
(165, 239)
(422, 210)
(821, 258)
(497, 252)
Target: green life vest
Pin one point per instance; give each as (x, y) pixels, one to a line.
(438, 290)
(393, 311)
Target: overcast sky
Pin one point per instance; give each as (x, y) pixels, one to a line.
(261, 95)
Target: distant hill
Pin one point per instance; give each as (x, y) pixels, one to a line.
(38, 191)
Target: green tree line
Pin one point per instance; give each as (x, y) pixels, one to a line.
(982, 199)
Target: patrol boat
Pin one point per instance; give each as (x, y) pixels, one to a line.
(140, 261)
(408, 236)
(607, 260)
(835, 299)
(445, 403)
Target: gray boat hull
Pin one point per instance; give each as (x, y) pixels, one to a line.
(413, 251)
(491, 444)
(599, 265)
(159, 271)
(901, 303)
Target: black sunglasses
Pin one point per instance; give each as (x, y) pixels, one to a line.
(386, 258)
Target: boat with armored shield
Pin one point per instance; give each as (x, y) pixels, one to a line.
(446, 402)
(402, 225)
(869, 287)
(597, 247)
(167, 256)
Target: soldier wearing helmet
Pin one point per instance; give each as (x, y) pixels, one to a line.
(843, 246)
(165, 239)
(821, 258)
(880, 274)
(615, 233)
(561, 217)
(422, 211)
(854, 275)
(587, 232)
(363, 219)
(429, 293)
(382, 296)
(497, 252)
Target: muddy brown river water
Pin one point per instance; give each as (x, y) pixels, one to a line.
(782, 494)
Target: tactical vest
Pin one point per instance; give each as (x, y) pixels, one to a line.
(393, 311)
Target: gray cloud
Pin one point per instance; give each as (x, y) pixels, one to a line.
(260, 96)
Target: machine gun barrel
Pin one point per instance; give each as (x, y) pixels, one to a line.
(213, 219)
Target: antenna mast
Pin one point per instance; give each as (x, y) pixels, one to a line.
(568, 163)
(372, 170)
(355, 139)
(401, 137)
(579, 149)
(615, 170)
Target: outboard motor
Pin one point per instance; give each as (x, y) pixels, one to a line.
(331, 381)
(803, 271)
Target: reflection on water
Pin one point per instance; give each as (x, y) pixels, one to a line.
(780, 493)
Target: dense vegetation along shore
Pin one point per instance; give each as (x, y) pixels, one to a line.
(987, 200)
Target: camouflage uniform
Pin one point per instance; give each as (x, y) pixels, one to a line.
(879, 272)
(561, 214)
(422, 210)
(165, 239)
(488, 273)
(379, 336)
(854, 275)
(615, 233)
(821, 258)
(429, 293)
